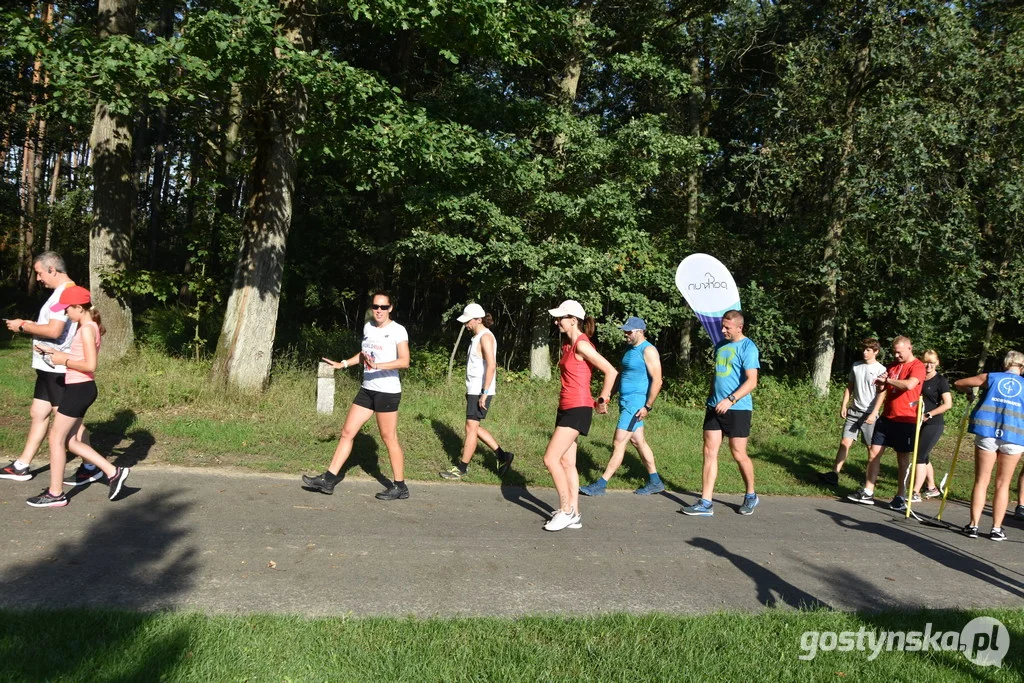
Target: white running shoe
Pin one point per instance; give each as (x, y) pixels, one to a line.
(561, 520)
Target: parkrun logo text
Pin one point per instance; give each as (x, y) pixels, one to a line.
(708, 283)
(984, 641)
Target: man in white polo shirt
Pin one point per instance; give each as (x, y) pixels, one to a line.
(54, 330)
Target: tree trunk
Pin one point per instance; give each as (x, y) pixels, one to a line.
(166, 30)
(113, 198)
(540, 353)
(835, 202)
(695, 106)
(54, 185)
(244, 349)
(227, 185)
(567, 84)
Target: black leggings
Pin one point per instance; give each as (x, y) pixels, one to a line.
(929, 437)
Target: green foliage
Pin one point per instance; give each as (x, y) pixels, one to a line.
(446, 157)
(429, 365)
(173, 329)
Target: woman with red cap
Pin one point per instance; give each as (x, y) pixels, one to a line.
(79, 394)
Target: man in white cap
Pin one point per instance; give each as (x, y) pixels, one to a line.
(639, 386)
(481, 367)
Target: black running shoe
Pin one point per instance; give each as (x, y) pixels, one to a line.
(84, 476)
(12, 472)
(324, 483)
(117, 481)
(970, 531)
(506, 464)
(393, 493)
(48, 500)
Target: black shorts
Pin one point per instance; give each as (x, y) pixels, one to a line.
(473, 411)
(899, 436)
(735, 424)
(929, 437)
(378, 401)
(77, 399)
(49, 387)
(576, 418)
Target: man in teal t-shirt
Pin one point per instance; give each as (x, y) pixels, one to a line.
(729, 406)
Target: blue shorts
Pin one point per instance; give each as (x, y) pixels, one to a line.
(629, 406)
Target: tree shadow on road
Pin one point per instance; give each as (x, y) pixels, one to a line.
(137, 556)
(772, 590)
(107, 438)
(920, 539)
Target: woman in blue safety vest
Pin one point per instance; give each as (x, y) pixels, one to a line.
(998, 427)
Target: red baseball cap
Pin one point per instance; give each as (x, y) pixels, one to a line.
(72, 296)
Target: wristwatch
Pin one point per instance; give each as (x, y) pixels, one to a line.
(732, 397)
(648, 408)
(601, 400)
(21, 328)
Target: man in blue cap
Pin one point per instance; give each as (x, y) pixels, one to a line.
(640, 384)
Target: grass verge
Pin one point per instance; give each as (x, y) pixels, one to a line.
(107, 646)
(154, 408)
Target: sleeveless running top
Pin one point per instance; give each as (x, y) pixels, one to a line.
(575, 379)
(634, 378)
(77, 352)
(476, 367)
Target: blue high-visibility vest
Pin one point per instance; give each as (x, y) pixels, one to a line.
(1000, 414)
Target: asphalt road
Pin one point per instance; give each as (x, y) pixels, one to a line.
(229, 542)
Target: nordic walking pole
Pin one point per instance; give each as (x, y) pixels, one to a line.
(956, 455)
(913, 462)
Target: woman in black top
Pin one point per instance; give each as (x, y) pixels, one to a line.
(937, 399)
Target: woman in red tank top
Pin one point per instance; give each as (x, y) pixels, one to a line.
(575, 409)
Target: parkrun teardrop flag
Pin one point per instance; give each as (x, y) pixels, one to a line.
(708, 287)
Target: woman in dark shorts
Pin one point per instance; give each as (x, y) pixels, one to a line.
(79, 394)
(575, 409)
(385, 351)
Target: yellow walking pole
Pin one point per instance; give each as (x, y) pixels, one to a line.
(956, 455)
(913, 462)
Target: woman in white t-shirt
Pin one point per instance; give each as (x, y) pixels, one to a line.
(385, 351)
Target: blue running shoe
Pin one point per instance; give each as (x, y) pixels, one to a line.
(702, 508)
(594, 489)
(649, 488)
(750, 501)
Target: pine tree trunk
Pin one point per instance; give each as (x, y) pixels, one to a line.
(244, 349)
(113, 198)
(54, 186)
(695, 109)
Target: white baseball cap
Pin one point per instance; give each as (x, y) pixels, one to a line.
(568, 307)
(472, 311)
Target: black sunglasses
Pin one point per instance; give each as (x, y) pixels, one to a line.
(380, 307)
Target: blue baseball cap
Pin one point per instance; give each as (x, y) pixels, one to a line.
(633, 323)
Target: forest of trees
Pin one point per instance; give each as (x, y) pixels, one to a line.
(234, 177)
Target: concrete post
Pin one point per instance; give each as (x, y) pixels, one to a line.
(325, 389)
